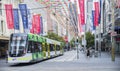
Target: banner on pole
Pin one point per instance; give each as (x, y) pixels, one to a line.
(93, 14)
(9, 16)
(16, 19)
(100, 4)
(82, 12)
(23, 10)
(96, 18)
(41, 25)
(29, 15)
(36, 24)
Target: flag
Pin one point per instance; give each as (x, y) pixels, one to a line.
(93, 20)
(100, 4)
(80, 25)
(75, 13)
(96, 17)
(23, 10)
(16, 19)
(81, 16)
(36, 24)
(71, 13)
(9, 16)
(41, 25)
(78, 19)
(82, 11)
(29, 15)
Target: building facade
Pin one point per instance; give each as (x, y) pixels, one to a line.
(52, 21)
(111, 27)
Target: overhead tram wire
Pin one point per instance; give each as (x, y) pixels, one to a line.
(37, 8)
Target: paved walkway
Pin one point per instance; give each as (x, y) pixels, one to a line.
(103, 58)
(72, 56)
(69, 62)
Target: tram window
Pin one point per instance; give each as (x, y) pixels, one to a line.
(22, 42)
(40, 47)
(21, 50)
(30, 50)
(15, 42)
(57, 47)
(51, 47)
(45, 46)
(36, 47)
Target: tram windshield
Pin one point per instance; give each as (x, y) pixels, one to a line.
(17, 46)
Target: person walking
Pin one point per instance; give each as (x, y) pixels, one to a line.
(88, 52)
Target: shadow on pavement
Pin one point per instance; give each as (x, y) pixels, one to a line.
(28, 64)
(24, 64)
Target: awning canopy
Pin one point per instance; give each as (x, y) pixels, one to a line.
(4, 38)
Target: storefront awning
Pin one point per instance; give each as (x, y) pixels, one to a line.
(4, 38)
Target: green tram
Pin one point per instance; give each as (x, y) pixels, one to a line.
(25, 48)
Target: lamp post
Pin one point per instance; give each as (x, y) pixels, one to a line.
(112, 37)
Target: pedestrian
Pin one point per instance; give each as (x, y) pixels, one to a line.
(88, 52)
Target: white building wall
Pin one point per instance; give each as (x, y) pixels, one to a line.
(35, 7)
(6, 32)
(59, 30)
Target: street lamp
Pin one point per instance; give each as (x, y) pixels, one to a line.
(112, 37)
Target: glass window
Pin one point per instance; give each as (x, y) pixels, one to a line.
(51, 47)
(40, 47)
(29, 47)
(17, 46)
(34, 47)
(57, 47)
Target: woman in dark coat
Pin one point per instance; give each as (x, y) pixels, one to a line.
(88, 52)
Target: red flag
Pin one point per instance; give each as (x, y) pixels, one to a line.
(9, 16)
(82, 12)
(96, 18)
(36, 24)
(80, 26)
(32, 30)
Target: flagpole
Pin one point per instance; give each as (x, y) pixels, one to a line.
(100, 5)
(95, 40)
(99, 43)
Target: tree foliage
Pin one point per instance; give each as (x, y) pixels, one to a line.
(55, 37)
(89, 39)
(72, 42)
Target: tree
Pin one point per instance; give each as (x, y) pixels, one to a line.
(72, 42)
(55, 37)
(89, 39)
